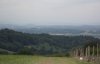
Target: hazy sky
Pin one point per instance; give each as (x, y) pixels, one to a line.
(50, 12)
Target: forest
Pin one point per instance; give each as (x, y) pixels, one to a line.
(14, 42)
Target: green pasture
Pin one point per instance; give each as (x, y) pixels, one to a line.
(26, 59)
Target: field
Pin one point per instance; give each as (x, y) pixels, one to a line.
(24, 59)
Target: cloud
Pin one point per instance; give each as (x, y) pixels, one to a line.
(50, 11)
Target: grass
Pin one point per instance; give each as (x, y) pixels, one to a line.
(24, 59)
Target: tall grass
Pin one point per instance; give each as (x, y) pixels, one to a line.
(26, 59)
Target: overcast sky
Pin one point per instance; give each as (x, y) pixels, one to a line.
(50, 12)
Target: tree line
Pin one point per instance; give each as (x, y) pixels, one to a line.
(40, 44)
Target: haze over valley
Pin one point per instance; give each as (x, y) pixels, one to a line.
(90, 30)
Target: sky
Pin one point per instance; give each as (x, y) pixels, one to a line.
(50, 12)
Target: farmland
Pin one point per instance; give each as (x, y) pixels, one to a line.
(26, 59)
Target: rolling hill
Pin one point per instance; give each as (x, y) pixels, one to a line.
(42, 44)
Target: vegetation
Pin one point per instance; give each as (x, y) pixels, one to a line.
(89, 52)
(89, 49)
(24, 59)
(40, 44)
(3, 51)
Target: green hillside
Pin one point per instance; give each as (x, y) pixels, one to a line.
(40, 44)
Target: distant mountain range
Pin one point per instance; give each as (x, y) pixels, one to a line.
(92, 30)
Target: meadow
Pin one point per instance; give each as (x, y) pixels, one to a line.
(26, 59)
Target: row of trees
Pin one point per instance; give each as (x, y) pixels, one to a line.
(88, 52)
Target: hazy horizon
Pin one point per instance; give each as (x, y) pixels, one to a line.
(50, 12)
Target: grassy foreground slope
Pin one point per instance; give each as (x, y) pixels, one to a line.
(23, 59)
